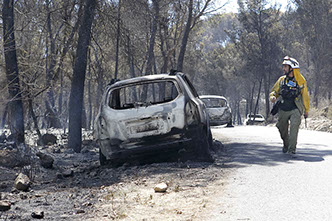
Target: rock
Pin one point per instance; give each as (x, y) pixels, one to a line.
(57, 150)
(46, 161)
(23, 196)
(87, 142)
(22, 182)
(160, 188)
(68, 173)
(47, 139)
(85, 150)
(93, 174)
(3, 137)
(11, 137)
(4, 205)
(80, 211)
(11, 158)
(59, 176)
(37, 214)
(69, 151)
(87, 204)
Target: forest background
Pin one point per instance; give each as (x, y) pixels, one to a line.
(67, 48)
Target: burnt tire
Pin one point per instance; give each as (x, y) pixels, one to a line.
(102, 158)
(210, 139)
(202, 147)
(230, 123)
(114, 162)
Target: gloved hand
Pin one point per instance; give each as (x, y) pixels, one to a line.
(273, 99)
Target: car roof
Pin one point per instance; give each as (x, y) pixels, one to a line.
(145, 78)
(212, 96)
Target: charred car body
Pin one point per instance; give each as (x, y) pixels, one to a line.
(219, 111)
(144, 118)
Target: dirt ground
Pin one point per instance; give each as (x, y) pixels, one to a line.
(78, 188)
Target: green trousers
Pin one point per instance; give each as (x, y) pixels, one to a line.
(288, 125)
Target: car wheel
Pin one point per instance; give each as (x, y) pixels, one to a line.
(201, 147)
(102, 158)
(103, 161)
(230, 123)
(210, 139)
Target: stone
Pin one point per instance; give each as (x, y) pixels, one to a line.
(59, 176)
(11, 158)
(85, 150)
(3, 137)
(68, 173)
(57, 150)
(4, 205)
(46, 160)
(80, 211)
(22, 182)
(37, 214)
(160, 188)
(87, 204)
(47, 139)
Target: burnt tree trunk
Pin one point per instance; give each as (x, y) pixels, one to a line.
(267, 96)
(77, 86)
(258, 96)
(131, 65)
(34, 118)
(252, 98)
(117, 41)
(89, 122)
(51, 113)
(4, 116)
(16, 116)
(185, 37)
(149, 64)
(100, 79)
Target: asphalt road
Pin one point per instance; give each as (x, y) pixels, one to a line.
(266, 184)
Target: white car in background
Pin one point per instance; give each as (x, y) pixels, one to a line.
(254, 119)
(218, 109)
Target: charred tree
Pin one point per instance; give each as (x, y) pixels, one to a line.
(34, 118)
(149, 64)
(51, 113)
(77, 86)
(4, 116)
(118, 32)
(185, 37)
(16, 117)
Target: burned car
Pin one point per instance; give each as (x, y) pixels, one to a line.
(152, 118)
(218, 109)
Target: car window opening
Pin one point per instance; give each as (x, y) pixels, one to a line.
(214, 102)
(140, 95)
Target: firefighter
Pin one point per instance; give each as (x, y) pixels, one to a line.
(294, 102)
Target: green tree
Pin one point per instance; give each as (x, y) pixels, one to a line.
(315, 22)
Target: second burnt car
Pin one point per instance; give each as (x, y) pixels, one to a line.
(152, 118)
(219, 111)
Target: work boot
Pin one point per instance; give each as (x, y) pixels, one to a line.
(292, 154)
(285, 149)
